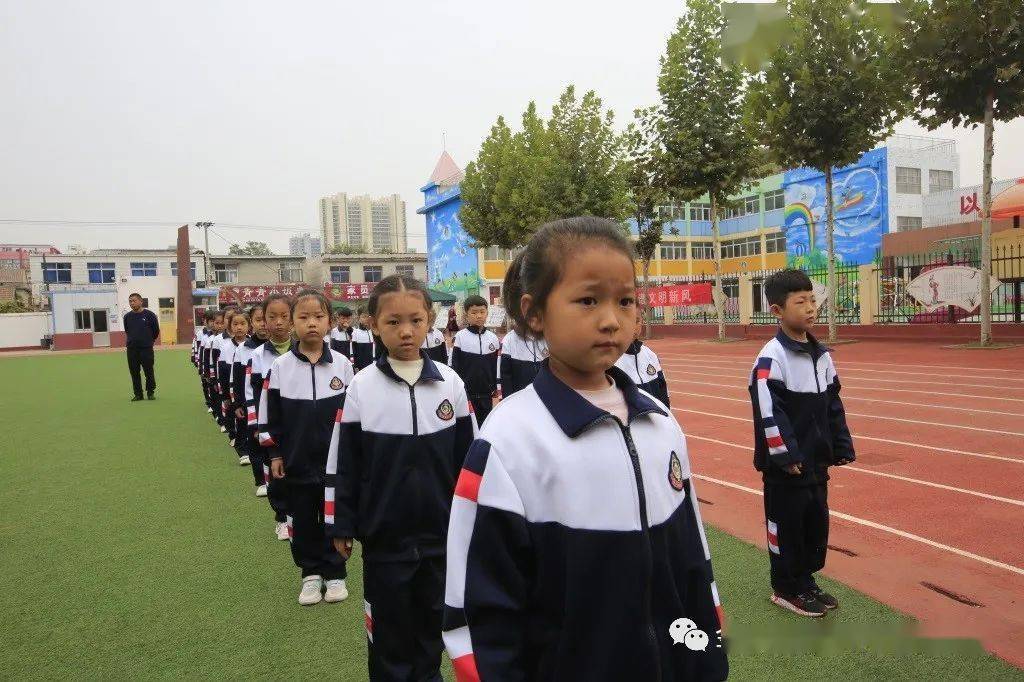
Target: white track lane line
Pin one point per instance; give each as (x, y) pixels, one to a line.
(873, 438)
(861, 362)
(847, 396)
(886, 529)
(848, 467)
(878, 416)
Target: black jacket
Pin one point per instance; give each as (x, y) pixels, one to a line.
(141, 328)
(475, 358)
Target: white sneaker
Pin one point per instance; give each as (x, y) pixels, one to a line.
(336, 591)
(261, 490)
(223, 430)
(210, 410)
(282, 531)
(231, 443)
(312, 590)
(243, 460)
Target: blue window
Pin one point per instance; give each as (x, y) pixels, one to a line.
(174, 269)
(57, 273)
(101, 273)
(143, 269)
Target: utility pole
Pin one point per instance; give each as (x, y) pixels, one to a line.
(206, 225)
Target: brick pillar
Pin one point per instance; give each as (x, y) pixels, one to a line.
(186, 320)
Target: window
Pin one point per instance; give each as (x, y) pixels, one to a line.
(741, 248)
(908, 180)
(671, 212)
(380, 221)
(404, 270)
(775, 243)
(143, 269)
(225, 273)
(673, 251)
(752, 204)
(497, 253)
(100, 273)
(339, 274)
(355, 225)
(700, 211)
(373, 273)
(290, 272)
(702, 250)
(774, 200)
(907, 223)
(10, 263)
(939, 180)
(83, 320)
(57, 273)
(174, 269)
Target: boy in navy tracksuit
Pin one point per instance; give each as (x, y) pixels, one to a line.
(475, 354)
(364, 346)
(520, 359)
(799, 431)
(434, 344)
(207, 364)
(641, 364)
(341, 334)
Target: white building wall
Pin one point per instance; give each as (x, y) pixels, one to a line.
(122, 270)
(65, 303)
(925, 154)
(21, 330)
(943, 208)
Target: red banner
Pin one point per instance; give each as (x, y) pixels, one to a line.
(348, 292)
(679, 294)
(255, 293)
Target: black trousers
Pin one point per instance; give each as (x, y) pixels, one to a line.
(255, 452)
(141, 358)
(403, 607)
(312, 551)
(482, 406)
(797, 525)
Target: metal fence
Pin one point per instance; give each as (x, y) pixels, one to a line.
(848, 286)
(703, 314)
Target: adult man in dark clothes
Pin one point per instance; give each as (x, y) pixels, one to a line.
(141, 329)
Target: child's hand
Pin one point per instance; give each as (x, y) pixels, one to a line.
(496, 395)
(277, 467)
(795, 469)
(240, 413)
(344, 547)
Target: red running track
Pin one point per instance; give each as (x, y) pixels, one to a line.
(936, 494)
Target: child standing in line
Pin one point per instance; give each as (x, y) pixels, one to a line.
(200, 349)
(434, 344)
(208, 366)
(277, 317)
(521, 353)
(238, 329)
(302, 393)
(364, 348)
(799, 432)
(395, 455)
(475, 358)
(643, 366)
(240, 374)
(341, 333)
(576, 548)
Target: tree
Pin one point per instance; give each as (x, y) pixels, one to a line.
(646, 193)
(709, 147)
(964, 60)
(346, 249)
(251, 248)
(570, 165)
(829, 95)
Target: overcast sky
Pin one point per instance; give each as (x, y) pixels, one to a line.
(246, 113)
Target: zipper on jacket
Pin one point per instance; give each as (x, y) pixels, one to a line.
(645, 527)
(412, 398)
(312, 379)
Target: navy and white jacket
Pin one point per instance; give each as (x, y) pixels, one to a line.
(297, 410)
(364, 348)
(519, 361)
(240, 373)
(641, 364)
(341, 341)
(575, 542)
(206, 366)
(261, 359)
(395, 456)
(475, 358)
(197, 340)
(228, 350)
(435, 346)
(798, 415)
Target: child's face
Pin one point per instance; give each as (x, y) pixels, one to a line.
(590, 315)
(798, 314)
(278, 321)
(476, 315)
(401, 323)
(311, 321)
(344, 321)
(259, 325)
(218, 324)
(239, 326)
(364, 319)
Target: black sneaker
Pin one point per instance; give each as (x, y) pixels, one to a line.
(825, 598)
(151, 397)
(137, 398)
(802, 604)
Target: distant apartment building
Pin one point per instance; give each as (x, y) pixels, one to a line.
(362, 222)
(304, 245)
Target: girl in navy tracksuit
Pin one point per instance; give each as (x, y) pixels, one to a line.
(521, 353)
(303, 391)
(241, 375)
(237, 323)
(575, 548)
(397, 449)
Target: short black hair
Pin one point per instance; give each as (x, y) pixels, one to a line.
(473, 301)
(344, 311)
(135, 293)
(393, 283)
(360, 310)
(284, 298)
(325, 305)
(778, 286)
(209, 314)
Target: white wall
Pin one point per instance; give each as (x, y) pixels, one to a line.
(66, 303)
(943, 208)
(939, 157)
(19, 330)
(152, 288)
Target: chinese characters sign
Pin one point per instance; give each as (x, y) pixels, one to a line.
(679, 294)
(347, 292)
(255, 294)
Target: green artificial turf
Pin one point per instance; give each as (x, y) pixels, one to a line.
(132, 546)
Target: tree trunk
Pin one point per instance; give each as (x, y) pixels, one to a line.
(645, 333)
(719, 296)
(830, 240)
(986, 225)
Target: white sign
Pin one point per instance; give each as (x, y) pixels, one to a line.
(820, 296)
(495, 317)
(947, 285)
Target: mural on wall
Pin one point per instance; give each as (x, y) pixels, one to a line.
(451, 261)
(861, 212)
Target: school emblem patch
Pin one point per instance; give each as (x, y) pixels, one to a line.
(336, 384)
(491, 347)
(445, 410)
(651, 371)
(675, 472)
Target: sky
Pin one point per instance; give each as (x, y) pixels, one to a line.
(151, 115)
